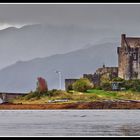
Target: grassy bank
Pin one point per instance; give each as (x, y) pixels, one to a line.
(74, 97)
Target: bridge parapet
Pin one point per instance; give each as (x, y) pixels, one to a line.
(8, 96)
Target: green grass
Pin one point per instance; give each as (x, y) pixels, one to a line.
(103, 93)
(127, 95)
(96, 91)
(89, 96)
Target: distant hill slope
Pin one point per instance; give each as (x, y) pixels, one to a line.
(38, 40)
(22, 76)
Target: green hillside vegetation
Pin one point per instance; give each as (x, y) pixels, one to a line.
(74, 96)
(84, 91)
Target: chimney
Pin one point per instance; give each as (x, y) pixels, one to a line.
(123, 36)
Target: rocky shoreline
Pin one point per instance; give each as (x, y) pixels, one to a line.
(119, 104)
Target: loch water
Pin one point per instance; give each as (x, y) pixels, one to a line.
(70, 123)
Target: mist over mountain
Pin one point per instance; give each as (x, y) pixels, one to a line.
(22, 76)
(42, 40)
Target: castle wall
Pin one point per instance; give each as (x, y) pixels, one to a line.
(94, 78)
(110, 72)
(129, 58)
(123, 62)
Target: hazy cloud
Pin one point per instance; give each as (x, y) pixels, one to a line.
(90, 15)
(99, 21)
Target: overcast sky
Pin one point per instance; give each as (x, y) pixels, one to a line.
(113, 19)
(89, 15)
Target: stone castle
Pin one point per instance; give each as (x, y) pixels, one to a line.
(108, 72)
(128, 63)
(129, 58)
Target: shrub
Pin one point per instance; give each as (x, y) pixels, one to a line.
(133, 85)
(98, 88)
(105, 78)
(106, 86)
(55, 92)
(82, 85)
(70, 87)
(31, 95)
(118, 79)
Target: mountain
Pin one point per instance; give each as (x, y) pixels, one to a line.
(22, 76)
(43, 40)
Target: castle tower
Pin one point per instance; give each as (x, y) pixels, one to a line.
(129, 58)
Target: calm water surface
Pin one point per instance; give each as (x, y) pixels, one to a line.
(70, 123)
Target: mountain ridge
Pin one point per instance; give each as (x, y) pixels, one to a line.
(37, 40)
(22, 76)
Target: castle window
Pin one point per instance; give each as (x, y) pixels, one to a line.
(134, 56)
(134, 65)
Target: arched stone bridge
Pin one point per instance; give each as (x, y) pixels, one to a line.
(7, 96)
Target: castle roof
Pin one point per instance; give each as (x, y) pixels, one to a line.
(133, 41)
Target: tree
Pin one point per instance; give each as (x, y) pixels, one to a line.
(118, 79)
(106, 86)
(82, 85)
(41, 85)
(133, 85)
(105, 78)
